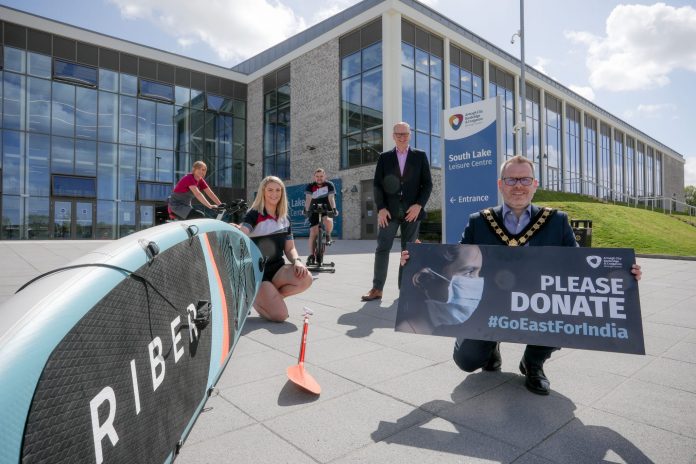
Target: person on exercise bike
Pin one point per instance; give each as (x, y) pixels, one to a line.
(192, 185)
(321, 191)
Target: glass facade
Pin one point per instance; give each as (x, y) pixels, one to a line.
(533, 127)
(649, 164)
(88, 151)
(552, 179)
(276, 124)
(503, 84)
(466, 77)
(361, 96)
(573, 178)
(604, 161)
(619, 162)
(630, 164)
(640, 169)
(590, 160)
(422, 99)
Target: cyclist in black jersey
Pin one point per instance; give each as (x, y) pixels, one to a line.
(321, 191)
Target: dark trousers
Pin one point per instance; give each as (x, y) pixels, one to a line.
(470, 355)
(385, 240)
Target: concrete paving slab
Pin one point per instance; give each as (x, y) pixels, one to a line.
(596, 436)
(218, 417)
(435, 442)
(612, 363)
(656, 405)
(584, 386)
(512, 415)
(675, 374)
(683, 351)
(365, 417)
(376, 366)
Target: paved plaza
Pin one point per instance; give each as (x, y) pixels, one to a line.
(390, 397)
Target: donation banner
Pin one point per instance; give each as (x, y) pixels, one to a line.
(582, 298)
(472, 139)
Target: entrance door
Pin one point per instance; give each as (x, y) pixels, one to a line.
(72, 219)
(368, 211)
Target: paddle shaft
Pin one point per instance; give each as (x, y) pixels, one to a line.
(304, 340)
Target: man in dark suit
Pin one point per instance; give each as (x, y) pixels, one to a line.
(517, 222)
(402, 186)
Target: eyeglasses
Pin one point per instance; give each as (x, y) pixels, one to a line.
(401, 134)
(511, 181)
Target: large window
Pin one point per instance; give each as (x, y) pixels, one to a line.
(649, 173)
(604, 161)
(552, 179)
(630, 163)
(572, 158)
(422, 89)
(361, 95)
(658, 173)
(533, 126)
(276, 123)
(503, 84)
(590, 161)
(618, 165)
(466, 77)
(640, 169)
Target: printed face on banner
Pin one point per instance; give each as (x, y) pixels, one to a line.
(517, 196)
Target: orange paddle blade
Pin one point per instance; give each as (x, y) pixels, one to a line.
(300, 377)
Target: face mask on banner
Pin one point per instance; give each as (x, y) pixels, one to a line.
(464, 295)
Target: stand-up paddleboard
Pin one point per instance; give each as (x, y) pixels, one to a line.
(112, 358)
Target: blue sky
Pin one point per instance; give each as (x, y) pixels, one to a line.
(636, 60)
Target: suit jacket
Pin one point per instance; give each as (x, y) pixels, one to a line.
(393, 190)
(556, 232)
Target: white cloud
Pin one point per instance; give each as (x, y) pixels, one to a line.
(233, 29)
(540, 64)
(652, 111)
(331, 8)
(586, 92)
(642, 46)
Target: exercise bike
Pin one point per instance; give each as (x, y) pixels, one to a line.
(321, 241)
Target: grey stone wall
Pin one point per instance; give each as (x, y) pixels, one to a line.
(674, 177)
(254, 136)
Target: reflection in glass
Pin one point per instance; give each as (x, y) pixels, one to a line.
(38, 171)
(164, 164)
(147, 216)
(146, 163)
(372, 56)
(350, 65)
(13, 162)
(74, 73)
(107, 173)
(147, 122)
(108, 80)
(127, 120)
(14, 109)
(62, 155)
(12, 212)
(86, 113)
(126, 218)
(84, 223)
(126, 173)
(106, 220)
(62, 220)
(422, 61)
(165, 126)
(129, 84)
(182, 96)
(15, 60)
(38, 65)
(108, 117)
(407, 54)
(86, 157)
(36, 218)
(38, 104)
(63, 110)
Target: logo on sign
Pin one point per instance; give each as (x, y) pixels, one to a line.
(594, 261)
(456, 120)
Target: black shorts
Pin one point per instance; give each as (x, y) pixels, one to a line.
(314, 219)
(271, 268)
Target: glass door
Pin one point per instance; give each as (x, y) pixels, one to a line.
(72, 219)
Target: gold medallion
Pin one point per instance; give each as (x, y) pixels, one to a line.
(512, 242)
